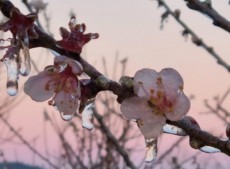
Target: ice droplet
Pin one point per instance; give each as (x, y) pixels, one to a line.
(66, 117)
(170, 129)
(151, 150)
(209, 149)
(12, 90)
(25, 66)
(87, 116)
(73, 20)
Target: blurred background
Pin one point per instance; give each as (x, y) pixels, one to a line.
(131, 38)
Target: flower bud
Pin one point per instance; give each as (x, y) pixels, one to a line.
(194, 143)
(177, 13)
(102, 82)
(126, 81)
(192, 121)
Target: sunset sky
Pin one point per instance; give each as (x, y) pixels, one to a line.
(132, 28)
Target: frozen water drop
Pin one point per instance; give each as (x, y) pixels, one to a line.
(73, 20)
(66, 117)
(151, 150)
(12, 91)
(87, 116)
(170, 129)
(209, 149)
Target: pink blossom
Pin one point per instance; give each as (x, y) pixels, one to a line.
(74, 41)
(159, 97)
(60, 82)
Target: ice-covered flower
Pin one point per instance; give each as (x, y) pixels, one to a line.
(159, 97)
(60, 82)
(75, 39)
(21, 26)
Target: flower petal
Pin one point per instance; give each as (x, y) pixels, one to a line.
(145, 82)
(172, 82)
(66, 103)
(35, 87)
(135, 108)
(75, 66)
(181, 108)
(152, 127)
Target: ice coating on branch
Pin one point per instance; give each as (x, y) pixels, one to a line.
(59, 82)
(24, 61)
(151, 150)
(159, 97)
(209, 149)
(170, 129)
(75, 39)
(87, 116)
(12, 76)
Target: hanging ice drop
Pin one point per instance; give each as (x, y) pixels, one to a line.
(87, 116)
(66, 117)
(24, 67)
(151, 149)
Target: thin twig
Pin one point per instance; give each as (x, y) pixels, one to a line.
(27, 143)
(113, 140)
(198, 40)
(208, 10)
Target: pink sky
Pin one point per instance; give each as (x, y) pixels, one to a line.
(132, 28)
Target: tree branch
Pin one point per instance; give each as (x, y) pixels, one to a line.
(196, 39)
(206, 9)
(204, 138)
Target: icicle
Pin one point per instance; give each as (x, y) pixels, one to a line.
(12, 76)
(209, 149)
(151, 150)
(170, 129)
(66, 117)
(87, 116)
(25, 66)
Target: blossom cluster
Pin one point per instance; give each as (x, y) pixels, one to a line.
(58, 82)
